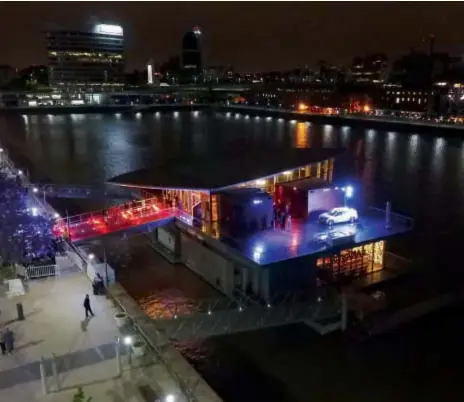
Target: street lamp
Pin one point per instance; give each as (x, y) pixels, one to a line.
(170, 398)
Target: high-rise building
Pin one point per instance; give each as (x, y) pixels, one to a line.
(87, 58)
(191, 50)
(371, 69)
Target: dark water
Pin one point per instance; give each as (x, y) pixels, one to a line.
(422, 175)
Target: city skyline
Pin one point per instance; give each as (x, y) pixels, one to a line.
(235, 35)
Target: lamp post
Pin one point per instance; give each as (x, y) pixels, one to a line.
(348, 193)
(106, 267)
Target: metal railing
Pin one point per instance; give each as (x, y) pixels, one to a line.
(157, 344)
(113, 219)
(220, 316)
(41, 271)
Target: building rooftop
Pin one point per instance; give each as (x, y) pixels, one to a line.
(223, 170)
(307, 238)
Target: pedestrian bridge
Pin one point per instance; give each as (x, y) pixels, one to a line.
(115, 219)
(321, 316)
(101, 192)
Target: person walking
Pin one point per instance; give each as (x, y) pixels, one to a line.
(8, 340)
(2, 343)
(87, 307)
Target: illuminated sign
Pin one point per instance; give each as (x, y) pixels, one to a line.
(109, 29)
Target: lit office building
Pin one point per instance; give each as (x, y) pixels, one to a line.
(88, 58)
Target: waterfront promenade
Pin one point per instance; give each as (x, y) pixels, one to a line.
(346, 119)
(86, 356)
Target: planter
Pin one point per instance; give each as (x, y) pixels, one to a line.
(121, 319)
(138, 347)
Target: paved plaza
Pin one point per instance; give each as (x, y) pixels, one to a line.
(85, 349)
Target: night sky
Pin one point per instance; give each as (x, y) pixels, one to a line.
(252, 36)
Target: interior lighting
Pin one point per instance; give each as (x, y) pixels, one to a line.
(127, 340)
(109, 29)
(261, 182)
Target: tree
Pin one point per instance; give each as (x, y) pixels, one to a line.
(79, 396)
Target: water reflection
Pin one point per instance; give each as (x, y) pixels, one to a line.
(413, 153)
(328, 136)
(345, 138)
(301, 137)
(437, 165)
(390, 155)
(370, 144)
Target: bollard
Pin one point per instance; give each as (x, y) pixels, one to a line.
(118, 357)
(42, 376)
(55, 373)
(20, 311)
(129, 355)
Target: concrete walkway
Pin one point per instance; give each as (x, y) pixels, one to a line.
(55, 324)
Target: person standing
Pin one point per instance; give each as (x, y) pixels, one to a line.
(2, 343)
(8, 340)
(87, 307)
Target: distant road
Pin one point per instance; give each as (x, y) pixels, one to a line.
(344, 119)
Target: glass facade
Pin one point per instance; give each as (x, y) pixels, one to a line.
(357, 261)
(85, 58)
(321, 170)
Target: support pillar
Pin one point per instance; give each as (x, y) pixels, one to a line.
(43, 380)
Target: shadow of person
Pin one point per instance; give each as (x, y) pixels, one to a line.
(26, 345)
(85, 324)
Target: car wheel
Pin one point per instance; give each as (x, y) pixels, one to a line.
(330, 222)
(352, 219)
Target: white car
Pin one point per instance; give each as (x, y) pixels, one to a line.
(339, 215)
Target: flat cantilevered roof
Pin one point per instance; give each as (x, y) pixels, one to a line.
(224, 169)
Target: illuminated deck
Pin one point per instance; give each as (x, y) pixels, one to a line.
(271, 246)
